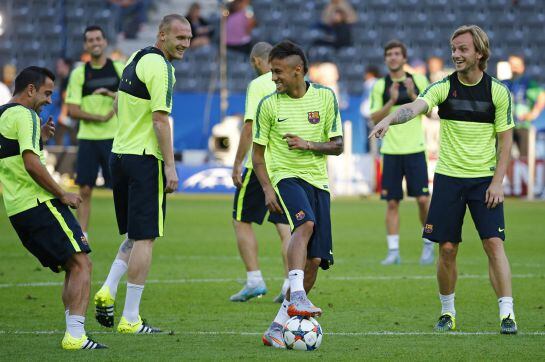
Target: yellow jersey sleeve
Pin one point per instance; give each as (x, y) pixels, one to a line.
(333, 118)
(75, 86)
(158, 75)
(501, 97)
(264, 120)
(376, 96)
(28, 131)
(436, 93)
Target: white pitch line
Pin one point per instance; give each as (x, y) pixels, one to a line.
(231, 280)
(341, 334)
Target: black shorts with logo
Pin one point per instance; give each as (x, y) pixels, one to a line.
(448, 207)
(51, 233)
(304, 202)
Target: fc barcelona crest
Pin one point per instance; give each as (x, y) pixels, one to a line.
(313, 117)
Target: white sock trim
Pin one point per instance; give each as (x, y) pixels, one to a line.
(296, 277)
(393, 242)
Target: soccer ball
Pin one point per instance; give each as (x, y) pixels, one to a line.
(302, 334)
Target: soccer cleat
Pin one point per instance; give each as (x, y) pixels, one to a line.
(300, 305)
(446, 323)
(273, 336)
(104, 307)
(427, 257)
(508, 325)
(140, 327)
(71, 343)
(279, 298)
(248, 293)
(392, 258)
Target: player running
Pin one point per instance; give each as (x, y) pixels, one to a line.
(37, 206)
(90, 96)
(143, 168)
(299, 125)
(249, 203)
(403, 148)
(475, 111)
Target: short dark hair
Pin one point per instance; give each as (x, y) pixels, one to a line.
(32, 75)
(396, 44)
(286, 48)
(93, 28)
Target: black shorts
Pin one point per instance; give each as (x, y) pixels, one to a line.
(249, 202)
(415, 170)
(303, 202)
(138, 185)
(92, 155)
(51, 233)
(448, 207)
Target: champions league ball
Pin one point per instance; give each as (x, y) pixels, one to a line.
(302, 334)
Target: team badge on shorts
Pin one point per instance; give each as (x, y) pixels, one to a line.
(384, 192)
(428, 228)
(84, 240)
(300, 215)
(313, 117)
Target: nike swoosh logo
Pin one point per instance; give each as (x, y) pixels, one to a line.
(281, 119)
(330, 252)
(501, 230)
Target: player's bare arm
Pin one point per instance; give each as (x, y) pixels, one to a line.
(260, 169)
(161, 126)
(385, 110)
(494, 193)
(334, 146)
(403, 114)
(39, 173)
(75, 111)
(105, 92)
(243, 147)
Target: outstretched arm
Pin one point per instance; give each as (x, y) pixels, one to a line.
(403, 114)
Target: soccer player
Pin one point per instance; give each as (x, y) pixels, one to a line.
(249, 203)
(37, 206)
(403, 148)
(299, 125)
(475, 111)
(143, 168)
(90, 97)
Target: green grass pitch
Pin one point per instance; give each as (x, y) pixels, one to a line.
(370, 311)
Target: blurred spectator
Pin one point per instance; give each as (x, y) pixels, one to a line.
(9, 72)
(371, 75)
(327, 74)
(338, 33)
(330, 13)
(130, 15)
(436, 70)
(416, 66)
(58, 110)
(202, 32)
(117, 55)
(528, 101)
(5, 94)
(240, 23)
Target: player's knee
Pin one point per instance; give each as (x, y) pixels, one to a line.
(393, 205)
(307, 228)
(79, 263)
(422, 201)
(448, 250)
(85, 191)
(493, 247)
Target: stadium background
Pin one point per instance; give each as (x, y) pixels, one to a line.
(371, 312)
(40, 32)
